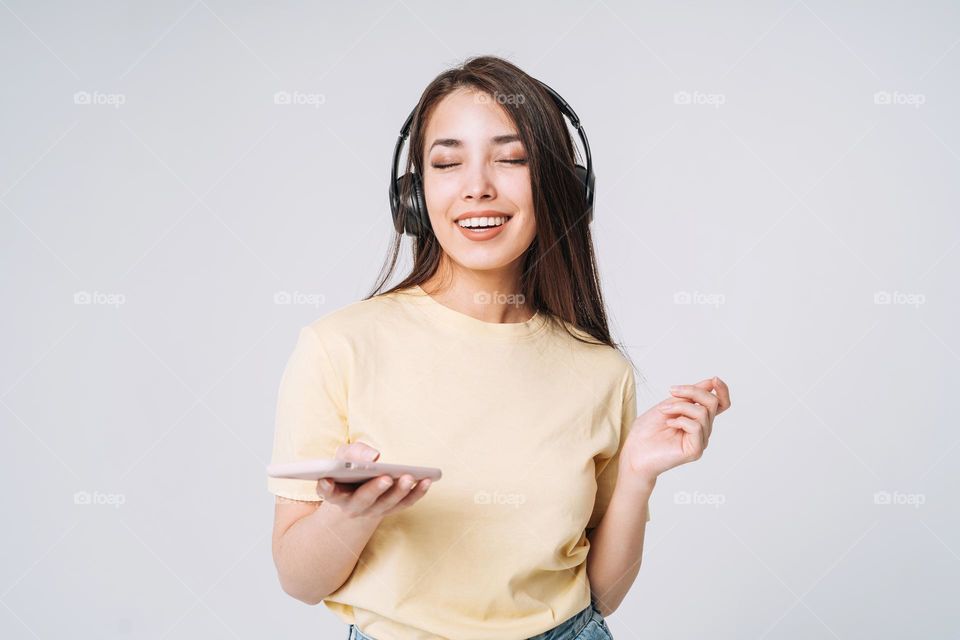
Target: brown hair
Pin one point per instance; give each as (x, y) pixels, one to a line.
(559, 273)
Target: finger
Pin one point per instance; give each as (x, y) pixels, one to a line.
(666, 402)
(699, 391)
(697, 394)
(414, 495)
(401, 487)
(689, 425)
(331, 491)
(696, 412)
(723, 394)
(323, 489)
(706, 383)
(359, 451)
(368, 493)
(694, 430)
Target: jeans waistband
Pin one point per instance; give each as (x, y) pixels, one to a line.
(564, 631)
(569, 628)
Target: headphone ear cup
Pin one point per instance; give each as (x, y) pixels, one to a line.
(396, 204)
(420, 213)
(410, 215)
(581, 172)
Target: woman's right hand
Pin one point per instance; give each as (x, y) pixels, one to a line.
(371, 498)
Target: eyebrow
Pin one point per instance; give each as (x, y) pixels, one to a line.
(454, 143)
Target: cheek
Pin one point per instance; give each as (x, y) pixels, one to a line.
(439, 194)
(517, 188)
(516, 191)
(529, 229)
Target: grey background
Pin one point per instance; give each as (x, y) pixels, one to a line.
(785, 199)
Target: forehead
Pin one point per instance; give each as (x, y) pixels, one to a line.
(470, 116)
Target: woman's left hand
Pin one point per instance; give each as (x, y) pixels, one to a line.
(674, 431)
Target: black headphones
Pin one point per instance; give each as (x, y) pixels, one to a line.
(413, 209)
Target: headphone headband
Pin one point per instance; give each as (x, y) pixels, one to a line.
(411, 216)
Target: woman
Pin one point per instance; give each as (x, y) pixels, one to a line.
(492, 360)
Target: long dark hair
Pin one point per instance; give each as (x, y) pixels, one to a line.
(559, 274)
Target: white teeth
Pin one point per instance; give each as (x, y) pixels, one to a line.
(482, 222)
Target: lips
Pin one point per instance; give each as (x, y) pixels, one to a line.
(486, 213)
(481, 235)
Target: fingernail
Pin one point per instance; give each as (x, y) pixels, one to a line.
(386, 482)
(675, 388)
(667, 408)
(426, 484)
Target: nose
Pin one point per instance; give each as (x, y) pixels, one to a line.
(477, 184)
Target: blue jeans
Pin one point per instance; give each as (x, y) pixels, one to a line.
(586, 625)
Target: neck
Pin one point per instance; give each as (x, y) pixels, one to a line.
(491, 295)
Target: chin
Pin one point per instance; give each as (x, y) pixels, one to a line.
(481, 260)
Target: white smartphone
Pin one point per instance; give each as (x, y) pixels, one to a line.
(348, 471)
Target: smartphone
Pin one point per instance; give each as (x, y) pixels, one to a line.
(348, 471)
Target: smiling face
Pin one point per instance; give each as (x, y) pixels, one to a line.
(476, 169)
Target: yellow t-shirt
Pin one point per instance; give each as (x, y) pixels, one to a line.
(525, 423)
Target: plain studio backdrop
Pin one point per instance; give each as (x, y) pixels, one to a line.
(183, 185)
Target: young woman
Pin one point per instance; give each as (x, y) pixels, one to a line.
(491, 360)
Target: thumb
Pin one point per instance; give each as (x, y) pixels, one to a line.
(366, 452)
(707, 384)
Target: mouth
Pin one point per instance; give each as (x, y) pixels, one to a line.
(482, 227)
(483, 222)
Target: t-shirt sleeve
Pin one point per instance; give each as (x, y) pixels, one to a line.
(311, 418)
(608, 469)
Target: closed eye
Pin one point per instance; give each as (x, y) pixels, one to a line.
(516, 161)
